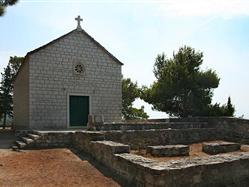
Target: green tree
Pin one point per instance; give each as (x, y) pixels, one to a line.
(181, 87)
(6, 88)
(5, 95)
(223, 110)
(6, 3)
(230, 108)
(130, 92)
(15, 63)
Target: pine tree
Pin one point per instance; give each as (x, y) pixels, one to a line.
(6, 88)
(6, 103)
(230, 108)
(5, 3)
(130, 92)
(181, 87)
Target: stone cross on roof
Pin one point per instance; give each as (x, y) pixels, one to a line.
(79, 19)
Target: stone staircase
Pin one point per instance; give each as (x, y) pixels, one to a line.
(24, 141)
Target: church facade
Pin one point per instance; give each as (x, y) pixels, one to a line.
(62, 82)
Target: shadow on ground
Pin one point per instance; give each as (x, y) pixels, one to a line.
(104, 170)
(7, 138)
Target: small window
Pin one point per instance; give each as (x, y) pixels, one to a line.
(79, 69)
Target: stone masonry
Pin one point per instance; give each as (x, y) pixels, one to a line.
(116, 153)
(168, 150)
(221, 147)
(47, 78)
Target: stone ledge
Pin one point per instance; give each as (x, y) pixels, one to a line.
(220, 147)
(168, 150)
(143, 138)
(216, 170)
(114, 146)
(183, 163)
(147, 125)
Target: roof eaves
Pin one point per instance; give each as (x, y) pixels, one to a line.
(101, 47)
(57, 39)
(50, 43)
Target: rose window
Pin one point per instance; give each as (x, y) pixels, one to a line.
(79, 69)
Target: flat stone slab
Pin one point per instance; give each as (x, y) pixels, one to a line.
(168, 150)
(115, 147)
(216, 170)
(219, 147)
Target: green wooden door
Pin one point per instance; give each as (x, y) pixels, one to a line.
(78, 110)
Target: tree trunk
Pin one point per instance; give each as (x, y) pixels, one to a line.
(4, 120)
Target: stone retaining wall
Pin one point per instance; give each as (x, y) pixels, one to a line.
(53, 139)
(235, 129)
(220, 170)
(230, 129)
(111, 148)
(144, 125)
(135, 138)
(168, 150)
(229, 170)
(81, 140)
(220, 147)
(142, 139)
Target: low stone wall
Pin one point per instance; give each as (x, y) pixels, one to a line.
(104, 151)
(111, 148)
(135, 138)
(220, 147)
(144, 138)
(220, 170)
(163, 133)
(226, 170)
(235, 129)
(168, 150)
(51, 139)
(82, 139)
(145, 125)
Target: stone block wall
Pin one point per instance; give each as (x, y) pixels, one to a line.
(229, 170)
(235, 129)
(220, 170)
(232, 129)
(82, 139)
(143, 138)
(21, 99)
(143, 125)
(52, 80)
(53, 139)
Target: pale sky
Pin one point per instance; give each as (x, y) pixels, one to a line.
(135, 31)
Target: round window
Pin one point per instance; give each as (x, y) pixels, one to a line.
(79, 69)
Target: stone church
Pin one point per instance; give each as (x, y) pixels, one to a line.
(61, 83)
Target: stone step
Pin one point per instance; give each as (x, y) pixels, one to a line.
(15, 148)
(33, 136)
(168, 150)
(27, 140)
(213, 148)
(36, 132)
(20, 144)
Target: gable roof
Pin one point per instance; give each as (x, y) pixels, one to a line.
(63, 36)
(84, 32)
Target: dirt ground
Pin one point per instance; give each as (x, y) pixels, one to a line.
(49, 167)
(195, 150)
